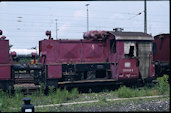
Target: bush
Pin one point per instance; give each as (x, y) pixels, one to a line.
(74, 93)
(125, 92)
(163, 86)
(148, 90)
(60, 96)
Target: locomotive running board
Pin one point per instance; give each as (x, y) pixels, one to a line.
(87, 81)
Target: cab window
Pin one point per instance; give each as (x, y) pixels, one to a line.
(129, 49)
(113, 46)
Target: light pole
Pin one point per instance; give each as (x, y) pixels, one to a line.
(87, 17)
(145, 17)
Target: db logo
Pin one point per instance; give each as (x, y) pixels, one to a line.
(92, 46)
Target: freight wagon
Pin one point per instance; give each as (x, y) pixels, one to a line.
(161, 53)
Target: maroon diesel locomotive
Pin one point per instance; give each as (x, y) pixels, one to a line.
(101, 56)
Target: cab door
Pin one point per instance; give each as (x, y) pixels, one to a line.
(144, 56)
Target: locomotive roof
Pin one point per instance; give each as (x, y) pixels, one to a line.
(120, 35)
(164, 35)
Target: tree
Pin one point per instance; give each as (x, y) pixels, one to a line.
(10, 46)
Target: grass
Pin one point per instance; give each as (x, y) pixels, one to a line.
(13, 103)
(9, 103)
(126, 92)
(161, 88)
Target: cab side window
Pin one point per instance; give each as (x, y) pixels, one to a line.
(113, 46)
(130, 49)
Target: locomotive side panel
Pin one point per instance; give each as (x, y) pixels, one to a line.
(127, 68)
(74, 52)
(162, 48)
(51, 50)
(6, 80)
(5, 67)
(115, 56)
(54, 71)
(126, 62)
(69, 52)
(5, 72)
(161, 53)
(4, 51)
(94, 52)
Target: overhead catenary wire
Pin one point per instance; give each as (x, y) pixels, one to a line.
(64, 16)
(136, 15)
(69, 9)
(51, 14)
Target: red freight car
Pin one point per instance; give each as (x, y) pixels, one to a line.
(102, 55)
(161, 53)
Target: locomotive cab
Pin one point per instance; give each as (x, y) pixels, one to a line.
(133, 56)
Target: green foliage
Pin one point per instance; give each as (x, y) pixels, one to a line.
(22, 60)
(74, 93)
(13, 103)
(3, 97)
(59, 96)
(90, 90)
(10, 46)
(125, 92)
(163, 86)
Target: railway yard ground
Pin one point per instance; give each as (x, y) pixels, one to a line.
(153, 104)
(148, 98)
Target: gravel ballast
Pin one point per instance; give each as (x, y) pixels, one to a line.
(151, 104)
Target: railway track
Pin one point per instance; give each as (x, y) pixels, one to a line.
(27, 88)
(24, 80)
(27, 85)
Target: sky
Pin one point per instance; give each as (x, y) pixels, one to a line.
(25, 23)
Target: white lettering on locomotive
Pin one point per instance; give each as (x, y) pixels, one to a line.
(127, 70)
